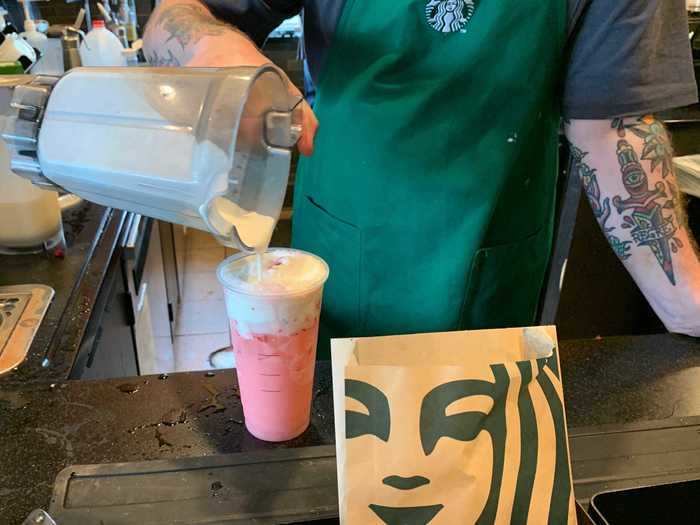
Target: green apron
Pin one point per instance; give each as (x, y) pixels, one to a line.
(431, 190)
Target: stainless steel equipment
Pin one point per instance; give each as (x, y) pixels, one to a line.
(22, 308)
(39, 517)
(70, 42)
(130, 318)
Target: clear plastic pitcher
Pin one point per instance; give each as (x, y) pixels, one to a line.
(207, 148)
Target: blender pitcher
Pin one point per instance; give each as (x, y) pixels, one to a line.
(206, 148)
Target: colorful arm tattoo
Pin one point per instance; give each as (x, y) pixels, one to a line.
(601, 208)
(648, 209)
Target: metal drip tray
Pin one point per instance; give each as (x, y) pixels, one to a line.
(22, 307)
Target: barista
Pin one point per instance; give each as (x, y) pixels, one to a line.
(429, 185)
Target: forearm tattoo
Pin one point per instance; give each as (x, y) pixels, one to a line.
(156, 60)
(648, 213)
(188, 24)
(657, 146)
(601, 208)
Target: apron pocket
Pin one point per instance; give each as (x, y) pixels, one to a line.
(338, 243)
(505, 283)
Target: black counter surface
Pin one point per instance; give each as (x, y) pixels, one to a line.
(45, 427)
(92, 234)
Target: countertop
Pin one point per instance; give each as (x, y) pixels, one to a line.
(92, 237)
(48, 426)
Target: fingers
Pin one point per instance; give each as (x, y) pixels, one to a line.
(309, 128)
(309, 122)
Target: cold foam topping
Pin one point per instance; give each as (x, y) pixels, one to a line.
(281, 272)
(254, 229)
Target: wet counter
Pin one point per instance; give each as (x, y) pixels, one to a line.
(77, 276)
(45, 426)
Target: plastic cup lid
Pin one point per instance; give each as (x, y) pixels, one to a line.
(240, 287)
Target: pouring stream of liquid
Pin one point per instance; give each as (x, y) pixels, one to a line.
(258, 264)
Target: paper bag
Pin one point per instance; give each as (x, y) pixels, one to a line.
(452, 428)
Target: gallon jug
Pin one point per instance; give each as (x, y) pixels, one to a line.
(101, 47)
(207, 148)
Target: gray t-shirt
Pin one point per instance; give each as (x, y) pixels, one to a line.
(625, 57)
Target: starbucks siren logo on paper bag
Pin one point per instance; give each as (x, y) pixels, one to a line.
(446, 445)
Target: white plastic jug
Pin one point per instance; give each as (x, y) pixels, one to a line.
(101, 47)
(207, 148)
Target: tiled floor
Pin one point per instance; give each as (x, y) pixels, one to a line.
(192, 351)
(202, 326)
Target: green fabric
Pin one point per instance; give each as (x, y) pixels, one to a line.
(431, 190)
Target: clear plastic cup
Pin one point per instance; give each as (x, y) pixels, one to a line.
(274, 330)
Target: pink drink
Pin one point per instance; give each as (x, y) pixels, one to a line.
(276, 374)
(274, 328)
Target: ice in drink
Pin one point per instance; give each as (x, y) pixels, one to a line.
(274, 328)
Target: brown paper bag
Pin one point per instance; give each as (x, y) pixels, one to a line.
(452, 428)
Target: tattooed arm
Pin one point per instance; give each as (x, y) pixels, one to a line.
(185, 33)
(625, 166)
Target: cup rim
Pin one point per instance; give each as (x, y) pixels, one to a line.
(242, 255)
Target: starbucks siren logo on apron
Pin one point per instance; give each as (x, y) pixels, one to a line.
(449, 16)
